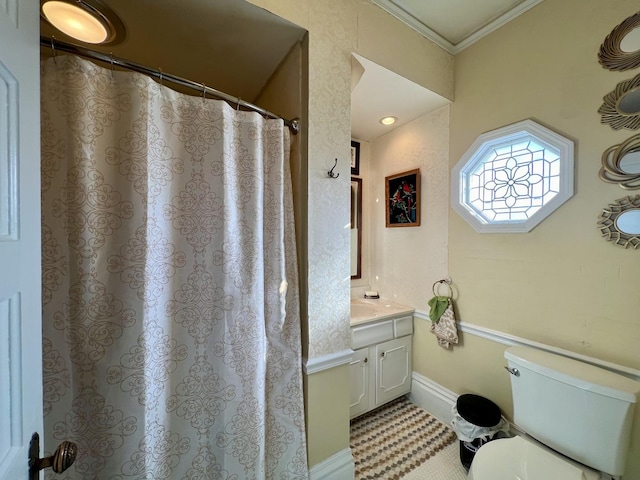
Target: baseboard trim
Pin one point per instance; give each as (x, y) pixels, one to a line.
(339, 466)
(432, 397)
(512, 340)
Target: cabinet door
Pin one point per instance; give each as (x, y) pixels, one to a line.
(393, 372)
(359, 375)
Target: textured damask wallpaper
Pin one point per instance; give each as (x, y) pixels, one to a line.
(336, 29)
(408, 260)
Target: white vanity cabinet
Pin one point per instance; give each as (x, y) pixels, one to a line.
(381, 366)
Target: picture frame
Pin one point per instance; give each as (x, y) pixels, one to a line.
(402, 193)
(355, 158)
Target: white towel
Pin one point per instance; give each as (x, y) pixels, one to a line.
(445, 328)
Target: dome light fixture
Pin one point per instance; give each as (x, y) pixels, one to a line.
(388, 120)
(88, 21)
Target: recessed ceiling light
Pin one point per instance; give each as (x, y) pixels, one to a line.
(86, 20)
(388, 120)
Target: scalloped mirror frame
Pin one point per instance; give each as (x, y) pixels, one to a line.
(611, 55)
(610, 112)
(509, 135)
(608, 222)
(612, 159)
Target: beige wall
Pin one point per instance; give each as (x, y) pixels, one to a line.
(336, 29)
(561, 284)
(327, 412)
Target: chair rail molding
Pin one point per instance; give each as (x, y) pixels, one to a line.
(512, 340)
(325, 362)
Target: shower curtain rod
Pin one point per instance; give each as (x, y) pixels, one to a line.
(53, 44)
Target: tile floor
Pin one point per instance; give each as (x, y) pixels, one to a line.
(445, 465)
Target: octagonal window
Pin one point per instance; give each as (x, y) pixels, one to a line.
(512, 178)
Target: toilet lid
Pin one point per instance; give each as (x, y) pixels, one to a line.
(518, 458)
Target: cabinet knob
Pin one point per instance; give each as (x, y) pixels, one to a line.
(365, 360)
(383, 354)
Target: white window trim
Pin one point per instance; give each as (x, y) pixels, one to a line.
(470, 159)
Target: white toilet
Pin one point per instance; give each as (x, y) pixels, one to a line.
(577, 419)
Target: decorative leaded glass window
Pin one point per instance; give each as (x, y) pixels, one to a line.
(511, 178)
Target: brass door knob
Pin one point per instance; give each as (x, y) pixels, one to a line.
(62, 458)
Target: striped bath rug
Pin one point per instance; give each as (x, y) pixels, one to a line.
(390, 441)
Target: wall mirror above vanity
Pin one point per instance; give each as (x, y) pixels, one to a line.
(356, 228)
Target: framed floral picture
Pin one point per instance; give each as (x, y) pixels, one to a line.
(402, 193)
(355, 158)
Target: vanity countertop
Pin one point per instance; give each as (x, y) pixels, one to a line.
(368, 310)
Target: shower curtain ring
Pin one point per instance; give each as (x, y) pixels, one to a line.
(111, 57)
(160, 72)
(238, 104)
(204, 90)
(53, 49)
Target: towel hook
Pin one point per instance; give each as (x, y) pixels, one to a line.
(330, 172)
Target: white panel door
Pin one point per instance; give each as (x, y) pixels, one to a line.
(393, 369)
(20, 296)
(359, 380)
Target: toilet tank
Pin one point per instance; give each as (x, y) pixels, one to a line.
(582, 411)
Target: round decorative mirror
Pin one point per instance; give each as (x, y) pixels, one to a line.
(621, 107)
(620, 222)
(629, 103)
(629, 222)
(621, 164)
(621, 49)
(631, 41)
(630, 164)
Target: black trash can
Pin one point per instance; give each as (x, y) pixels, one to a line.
(481, 412)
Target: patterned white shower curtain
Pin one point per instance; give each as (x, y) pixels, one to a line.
(171, 331)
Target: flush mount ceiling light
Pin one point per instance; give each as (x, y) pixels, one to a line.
(89, 21)
(388, 120)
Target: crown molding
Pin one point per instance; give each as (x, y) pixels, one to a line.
(392, 7)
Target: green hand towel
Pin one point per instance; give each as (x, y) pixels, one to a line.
(438, 305)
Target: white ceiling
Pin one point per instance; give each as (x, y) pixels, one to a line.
(451, 24)
(455, 24)
(378, 93)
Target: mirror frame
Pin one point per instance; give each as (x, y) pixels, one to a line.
(611, 159)
(610, 112)
(608, 222)
(611, 56)
(358, 223)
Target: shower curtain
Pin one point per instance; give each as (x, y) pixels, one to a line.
(171, 330)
